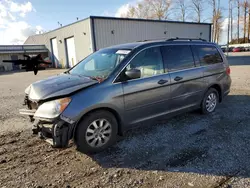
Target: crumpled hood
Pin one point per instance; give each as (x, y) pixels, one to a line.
(55, 86)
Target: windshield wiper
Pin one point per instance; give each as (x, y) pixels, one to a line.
(93, 78)
(99, 79)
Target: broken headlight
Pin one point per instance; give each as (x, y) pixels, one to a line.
(27, 90)
(53, 108)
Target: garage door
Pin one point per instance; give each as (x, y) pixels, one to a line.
(55, 57)
(70, 49)
(15, 67)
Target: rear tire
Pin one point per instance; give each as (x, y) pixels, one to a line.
(210, 101)
(96, 132)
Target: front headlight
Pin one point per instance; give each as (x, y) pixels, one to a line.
(52, 109)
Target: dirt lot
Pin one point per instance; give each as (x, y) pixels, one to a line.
(191, 150)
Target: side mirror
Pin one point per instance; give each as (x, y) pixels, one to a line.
(133, 73)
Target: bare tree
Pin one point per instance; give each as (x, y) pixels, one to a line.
(160, 8)
(182, 6)
(153, 9)
(213, 2)
(231, 19)
(218, 25)
(248, 33)
(238, 21)
(245, 8)
(131, 12)
(217, 19)
(143, 10)
(197, 6)
(140, 10)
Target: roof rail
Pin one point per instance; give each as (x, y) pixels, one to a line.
(188, 39)
(145, 40)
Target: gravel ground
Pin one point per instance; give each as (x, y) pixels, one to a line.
(12, 86)
(190, 150)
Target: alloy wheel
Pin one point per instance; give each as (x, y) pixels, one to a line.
(98, 133)
(211, 102)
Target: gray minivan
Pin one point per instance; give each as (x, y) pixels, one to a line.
(117, 88)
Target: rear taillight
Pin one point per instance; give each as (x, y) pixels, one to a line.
(228, 70)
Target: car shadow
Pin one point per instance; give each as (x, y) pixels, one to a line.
(238, 60)
(216, 144)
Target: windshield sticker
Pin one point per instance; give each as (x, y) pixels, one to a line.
(125, 52)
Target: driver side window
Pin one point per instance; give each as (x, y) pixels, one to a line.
(149, 62)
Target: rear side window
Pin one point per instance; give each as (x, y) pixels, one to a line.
(178, 57)
(208, 55)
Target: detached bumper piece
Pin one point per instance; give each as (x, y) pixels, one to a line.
(57, 133)
(27, 112)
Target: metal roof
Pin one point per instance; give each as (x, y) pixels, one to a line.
(147, 20)
(7, 49)
(131, 19)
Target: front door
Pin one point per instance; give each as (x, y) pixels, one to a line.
(54, 50)
(186, 76)
(148, 96)
(71, 53)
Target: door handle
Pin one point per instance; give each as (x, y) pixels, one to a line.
(161, 82)
(177, 78)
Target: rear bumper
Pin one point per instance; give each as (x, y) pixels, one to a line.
(226, 93)
(226, 87)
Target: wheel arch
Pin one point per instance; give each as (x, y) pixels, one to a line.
(218, 88)
(111, 110)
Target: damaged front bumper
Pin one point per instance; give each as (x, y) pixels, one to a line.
(57, 131)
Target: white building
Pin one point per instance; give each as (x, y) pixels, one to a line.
(71, 43)
(15, 52)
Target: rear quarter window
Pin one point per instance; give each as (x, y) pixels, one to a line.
(208, 55)
(178, 57)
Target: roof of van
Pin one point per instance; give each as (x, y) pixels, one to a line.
(155, 42)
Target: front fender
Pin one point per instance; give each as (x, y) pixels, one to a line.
(94, 98)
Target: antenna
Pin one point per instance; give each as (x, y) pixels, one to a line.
(60, 25)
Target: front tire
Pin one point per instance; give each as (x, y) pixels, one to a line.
(210, 101)
(96, 132)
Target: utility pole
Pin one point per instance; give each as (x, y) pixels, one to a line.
(214, 24)
(217, 20)
(248, 33)
(231, 21)
(245, 17)
(229, 13)
(238, 25)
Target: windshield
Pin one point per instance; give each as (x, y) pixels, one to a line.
(100, 64)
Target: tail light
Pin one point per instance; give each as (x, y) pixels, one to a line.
(228, 70)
